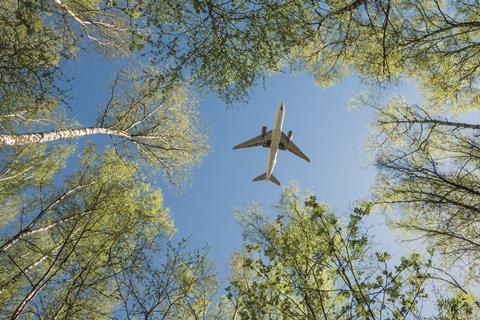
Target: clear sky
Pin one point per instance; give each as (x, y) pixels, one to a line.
(323, 127)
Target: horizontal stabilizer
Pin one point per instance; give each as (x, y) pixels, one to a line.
(263, 177)
(260, 177)
(274, 180)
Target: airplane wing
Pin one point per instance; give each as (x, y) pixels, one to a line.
(290, 146)
(261, 140)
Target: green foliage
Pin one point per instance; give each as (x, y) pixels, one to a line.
(227, 47)
(161, 120)
(63, 243)
(176, 284)
(24, 170)
(29, 57)
(428, 169)
(306, 264)
(82, 247)
(460, 307)
(63, 262)
(430, 41)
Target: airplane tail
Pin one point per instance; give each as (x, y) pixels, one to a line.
(263, 176)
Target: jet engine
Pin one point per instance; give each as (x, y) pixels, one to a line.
(264, 130)
(289, 135)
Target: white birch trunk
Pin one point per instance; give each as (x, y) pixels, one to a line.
(27, 270)
(42, 137)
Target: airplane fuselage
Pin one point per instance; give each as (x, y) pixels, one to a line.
(276, 137)
(275, 140)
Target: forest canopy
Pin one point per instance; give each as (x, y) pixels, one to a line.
(85, 233)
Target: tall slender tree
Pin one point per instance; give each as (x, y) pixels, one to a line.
(434, 41)
(308, 263)
(428, 169)
(70, 242)
(156, 121)
(177, 284)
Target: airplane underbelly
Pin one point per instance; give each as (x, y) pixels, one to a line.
(275, 142)
(272, 158)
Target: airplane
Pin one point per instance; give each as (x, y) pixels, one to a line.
(276, 140)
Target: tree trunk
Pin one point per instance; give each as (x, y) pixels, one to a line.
(42, 137)
(25, 271)
(434, 122)
(28, 231)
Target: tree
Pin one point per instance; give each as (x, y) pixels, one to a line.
(29, 59)
(433, 41)
(307, 264)
(149, 113)
(158, 122)
(167, 283)
(70, 242)
(62, 245)
(428, 169)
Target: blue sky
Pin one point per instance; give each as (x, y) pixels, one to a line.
(323, 127)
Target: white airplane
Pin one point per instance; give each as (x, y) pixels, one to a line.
(275, 140)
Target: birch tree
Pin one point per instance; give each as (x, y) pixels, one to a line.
(308, 263)
(159, 123)
(433, 41)
(177, 284)
(428, 170)
(149, 115)
(61, 256)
